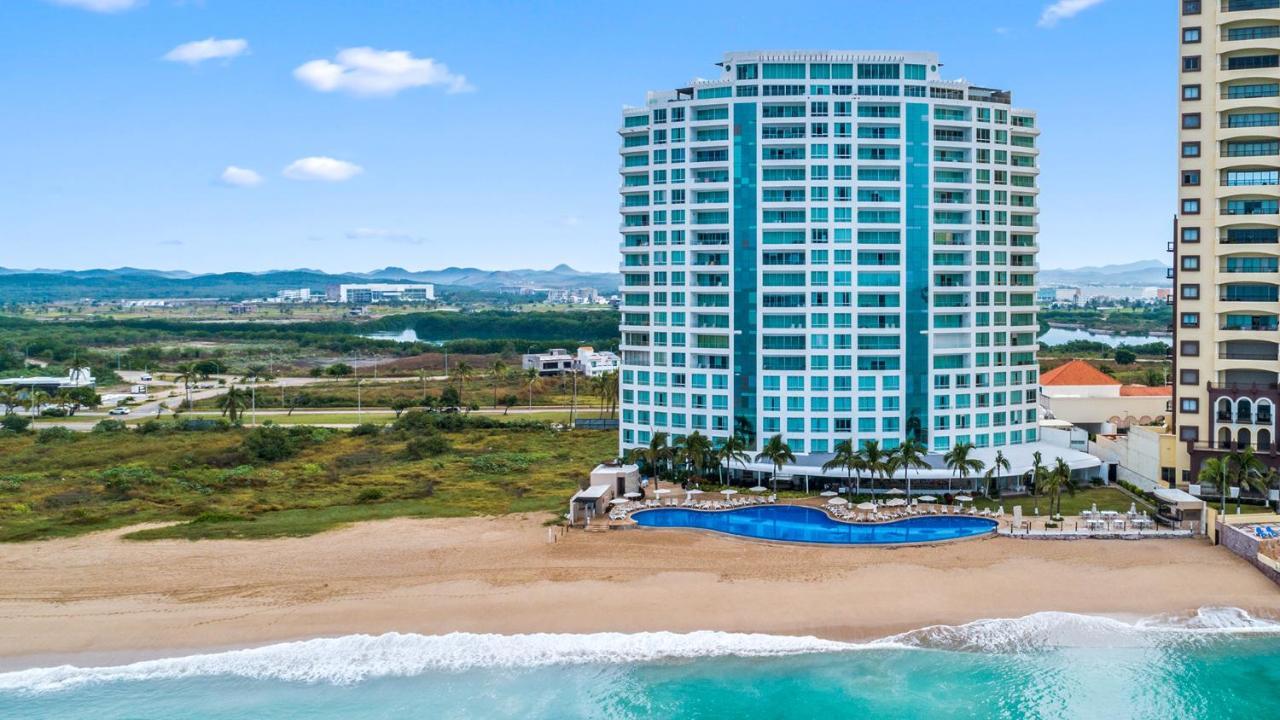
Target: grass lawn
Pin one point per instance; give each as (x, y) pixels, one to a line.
(1106, 498)
(210, 484)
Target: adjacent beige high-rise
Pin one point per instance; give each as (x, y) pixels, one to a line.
(1225, 246)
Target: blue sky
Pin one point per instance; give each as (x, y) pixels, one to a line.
(501, 150)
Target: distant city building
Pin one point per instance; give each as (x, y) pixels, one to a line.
(580, 296)
(557, 361)
(383, 292)
(240, 309)
(299, 295)
(594, 364)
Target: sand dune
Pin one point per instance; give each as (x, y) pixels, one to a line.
(100, 594)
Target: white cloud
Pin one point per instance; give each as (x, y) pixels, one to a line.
(198, 51)
(240, 177)
(394, 236)
(101, 6)
(322, 168)
(571, 221)
(1064, 10)
(369, 72)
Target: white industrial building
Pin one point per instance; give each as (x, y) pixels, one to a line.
(383, 292)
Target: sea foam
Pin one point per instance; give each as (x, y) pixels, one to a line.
(354, 658)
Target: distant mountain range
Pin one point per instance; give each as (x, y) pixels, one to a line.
(1143, 273)
(50, 285)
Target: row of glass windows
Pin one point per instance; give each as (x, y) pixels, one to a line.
(632, 437)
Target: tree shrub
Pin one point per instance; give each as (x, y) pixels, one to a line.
(269, 443)
(55, 434)
(425, 446)
(15, 423)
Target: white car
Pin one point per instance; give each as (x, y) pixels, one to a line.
(119, 411)
(146, 378)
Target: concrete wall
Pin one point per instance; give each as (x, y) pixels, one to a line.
(1096, 410)
(1245, 545)
(1137, 455)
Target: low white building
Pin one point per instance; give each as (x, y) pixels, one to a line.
(595, 364)
(297, 295)
(1084, 395)
(383, 292)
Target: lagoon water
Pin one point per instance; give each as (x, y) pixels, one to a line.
(1218, 663)
(1058, 336)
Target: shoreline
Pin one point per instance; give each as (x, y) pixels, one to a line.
(97, 598)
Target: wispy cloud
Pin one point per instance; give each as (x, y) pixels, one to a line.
(198, 51)
(368, 72)
(393, 236)
(100, 6)
(1064, 10)
(322, 168)
(240, 177)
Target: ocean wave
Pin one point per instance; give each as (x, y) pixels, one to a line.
(1047, 630)
(354, 658)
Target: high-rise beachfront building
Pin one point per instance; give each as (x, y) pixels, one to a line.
(1227, 244)
(829, 246)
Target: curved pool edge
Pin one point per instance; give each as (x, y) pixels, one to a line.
(990, 532)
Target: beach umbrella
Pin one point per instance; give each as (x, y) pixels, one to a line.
(695, 491)
(928, 498)
(837, 501)
(662, 491)
(866, 506)
(964, 498)
(758, 489)
(618, 501)
(895, 491)
(896, 502)
(632, 495)
(828, 493)
(728, 491)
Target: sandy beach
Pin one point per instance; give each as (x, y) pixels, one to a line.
(97, 595)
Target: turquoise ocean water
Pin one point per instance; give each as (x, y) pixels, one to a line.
(1220, 663)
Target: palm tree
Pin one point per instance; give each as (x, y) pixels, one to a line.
(875, 460)
(531, 379)
(186, 373)
(696, 451)
(1054, 482)
(960, 463)
(609, 390)
(422, 375)
(497, 373)
(777, 452)
(233, 403)
(1000, 463)
(846, 456)
(733, 449)
(37, 399)
(1242, 468)
(657, 454)
(1214, 472)
(910, 454)
(1037, 472)
(462, 371)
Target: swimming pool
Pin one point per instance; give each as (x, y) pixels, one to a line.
(793, 523)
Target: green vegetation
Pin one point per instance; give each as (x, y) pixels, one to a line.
(1137, 319)
(217, 480)
(1106, 498)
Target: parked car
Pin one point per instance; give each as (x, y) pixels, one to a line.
(119, 411)
(146, 378)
